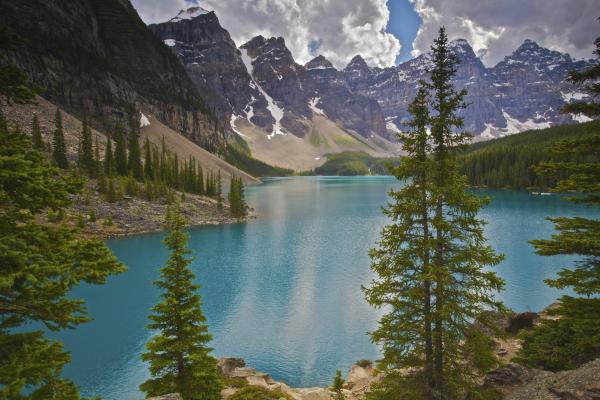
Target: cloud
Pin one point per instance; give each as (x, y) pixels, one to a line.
(496, 28)
(336, 29)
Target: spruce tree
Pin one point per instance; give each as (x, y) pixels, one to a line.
(86, 150)
(338, 386)
(109, 160)
(59, 148)
(431, 262)
(219, 191)
(120, 151)
(97, 165)
(134, 162)
(40, 265)
(572, 337)
(178, 355)
(36, 134)
(148, 162)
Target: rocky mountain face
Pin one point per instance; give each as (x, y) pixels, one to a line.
(97, 57)
(262, 82)
(524, 91)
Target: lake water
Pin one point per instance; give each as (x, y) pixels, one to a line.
(283, 291)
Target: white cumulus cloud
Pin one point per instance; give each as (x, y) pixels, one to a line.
(336, 29)
(495, 28)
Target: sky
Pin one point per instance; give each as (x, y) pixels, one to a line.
(386, 32)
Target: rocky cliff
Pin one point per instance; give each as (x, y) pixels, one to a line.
(97, 57)
(262, 82)
(524, 91)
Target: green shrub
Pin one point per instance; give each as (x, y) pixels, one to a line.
(259, 393)
(237, 382)
(364, 363)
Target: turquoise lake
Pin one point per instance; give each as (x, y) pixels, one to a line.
(283, 291)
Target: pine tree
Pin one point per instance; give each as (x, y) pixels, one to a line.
(178, 355)
(219, 191)
(148, 162)
(109, 160)
(134, 162)
(59, 148)
(572, 338)
(431, 260)
(120, 151)
(338, 386)
(97, 165)
(40, 265)
(36, 134)
(86, 150)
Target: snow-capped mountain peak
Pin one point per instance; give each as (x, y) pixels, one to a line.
(190, 13)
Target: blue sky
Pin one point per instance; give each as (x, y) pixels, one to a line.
(404, 23)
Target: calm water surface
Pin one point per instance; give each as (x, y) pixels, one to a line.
(283, 292)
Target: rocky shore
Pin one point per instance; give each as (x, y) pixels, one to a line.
(510, 381)
(134, 215)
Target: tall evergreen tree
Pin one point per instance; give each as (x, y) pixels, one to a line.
(86, 148)
(40, 265)
(36, 134)
(59, 148)
(178, 355)
(109, 159)
(431, 261)
(148, 162)
(219, 191)
(120, 151)
(134, 162)
(338, 387)
(572, 338)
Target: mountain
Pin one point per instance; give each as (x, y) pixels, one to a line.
(289, 115)
(97, 57)
(524, 91)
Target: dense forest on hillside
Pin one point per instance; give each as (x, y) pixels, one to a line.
(238, 154)
(507, 162)
(355, 163)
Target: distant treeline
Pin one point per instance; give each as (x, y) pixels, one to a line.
(355, 163)
(507, 162)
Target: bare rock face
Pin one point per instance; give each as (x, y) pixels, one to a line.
(211, 59)
(172, 396)
(98, 57)
(516, 382)
(525, 91)
(228, 364)
(261, 81)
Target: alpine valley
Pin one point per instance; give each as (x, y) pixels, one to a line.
(189, 77)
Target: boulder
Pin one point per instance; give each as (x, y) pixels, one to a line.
(242, 372)
(520, 321)
(516, 382)
(171, 396)
(226, 365)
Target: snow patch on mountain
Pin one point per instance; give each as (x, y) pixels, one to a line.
(391, 125)
(568, 97)
(232, 121)
(581, 118)
(276, 111)
(513, 125)
(144, 121)
(169, 42)
(312, 104)
(190, 13)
